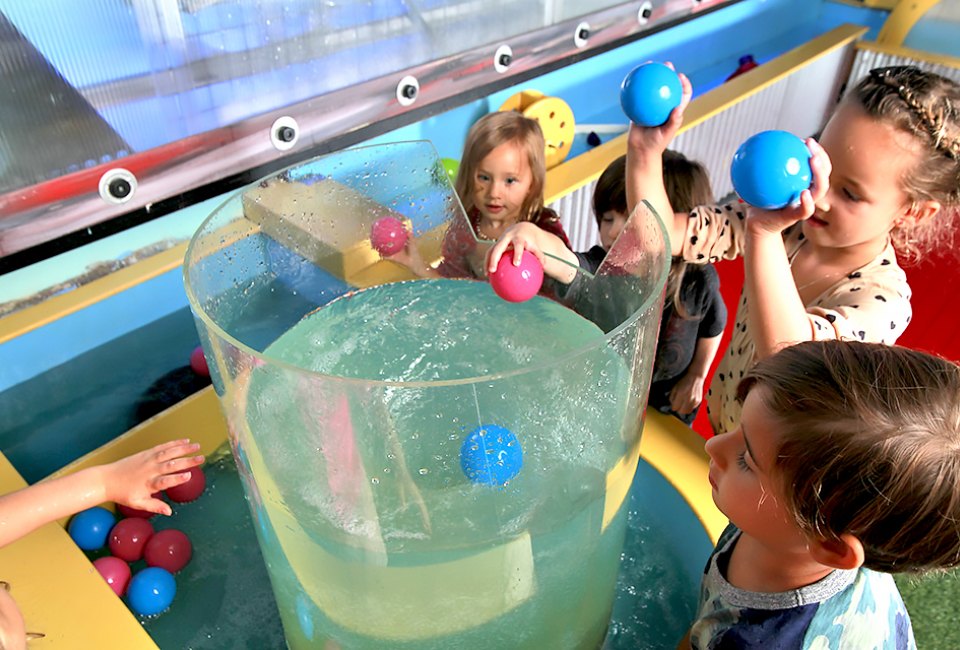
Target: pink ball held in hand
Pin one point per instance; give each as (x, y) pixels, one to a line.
(388, 235)
(517, 283)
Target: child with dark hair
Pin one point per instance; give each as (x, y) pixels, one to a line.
(844, 468)
(694, 314)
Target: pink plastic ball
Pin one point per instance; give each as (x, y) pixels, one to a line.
(128, 538)
(168, 549)
(115, 571)
(199, 362)
(388, 235)
(517, 283)
(193, 488)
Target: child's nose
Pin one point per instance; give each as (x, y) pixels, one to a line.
(714, 448)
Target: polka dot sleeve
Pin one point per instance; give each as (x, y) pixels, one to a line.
(871, 304)
(714, 232)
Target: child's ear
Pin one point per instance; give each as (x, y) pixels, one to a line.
(843, 553)
(918, 211)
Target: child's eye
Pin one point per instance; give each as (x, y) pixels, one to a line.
(850, 195)
(511, 181)
(483, 177)
(742, 461)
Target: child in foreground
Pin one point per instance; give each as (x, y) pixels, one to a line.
(500, 183)
(844, 469)
(886, 187)
(130, 481)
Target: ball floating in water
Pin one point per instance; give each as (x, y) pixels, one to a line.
(189, 491)
(151, 591)
(89, 528)
(129, 537)
(198, 362)
(770, 169)
(388, 235)
(115, 571)
(491, 455)
(168, 549)
(649, 93)
(517, 283)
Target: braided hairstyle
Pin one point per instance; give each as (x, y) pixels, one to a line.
(926, 106)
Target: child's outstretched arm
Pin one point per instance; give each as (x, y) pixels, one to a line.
(778, 317)
(130, 481)
(527, 236)
(645, 147)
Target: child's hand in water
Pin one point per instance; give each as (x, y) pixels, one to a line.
(655, 139)
(133, 480)
(776, 221)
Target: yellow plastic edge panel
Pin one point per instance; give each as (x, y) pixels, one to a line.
(676, 451)
(59, 592)
(902, 19)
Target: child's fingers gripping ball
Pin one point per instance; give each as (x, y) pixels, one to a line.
(517, 283)
(649, 93)
(771, 169)
(388, 235)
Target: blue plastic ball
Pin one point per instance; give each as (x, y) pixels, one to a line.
(151, 591)
(649, 93)
(89, 528)
(771, 169)
(491, 455)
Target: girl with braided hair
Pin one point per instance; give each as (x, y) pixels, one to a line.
(886, 183)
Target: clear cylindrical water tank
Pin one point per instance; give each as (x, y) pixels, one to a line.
(429, 466)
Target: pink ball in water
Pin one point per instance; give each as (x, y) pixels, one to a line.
(388, 235)
(199, 362)
(193, 488)
(168, 549)
(128, 538)
(517, 283)
(115, 571)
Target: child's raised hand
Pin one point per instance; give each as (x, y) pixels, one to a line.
(409, 257)
(133, 480)
(656, 139)
(776, 221)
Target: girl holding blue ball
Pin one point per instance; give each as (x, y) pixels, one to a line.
(885, 183)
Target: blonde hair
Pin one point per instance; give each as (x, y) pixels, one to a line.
(925, 106)
(488, 133)
(870, 446)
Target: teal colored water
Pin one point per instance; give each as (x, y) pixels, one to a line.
(374, 535)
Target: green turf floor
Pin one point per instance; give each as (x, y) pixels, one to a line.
(933, 602)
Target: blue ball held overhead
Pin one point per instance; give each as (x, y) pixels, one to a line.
(771, 169)
(491, 455)
(649, 93)
(89, 528)
(151, 591)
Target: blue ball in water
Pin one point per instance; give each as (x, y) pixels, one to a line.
(151, 591)
(771, 169)
(649, 93)
(491, 455)
(89, 528)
